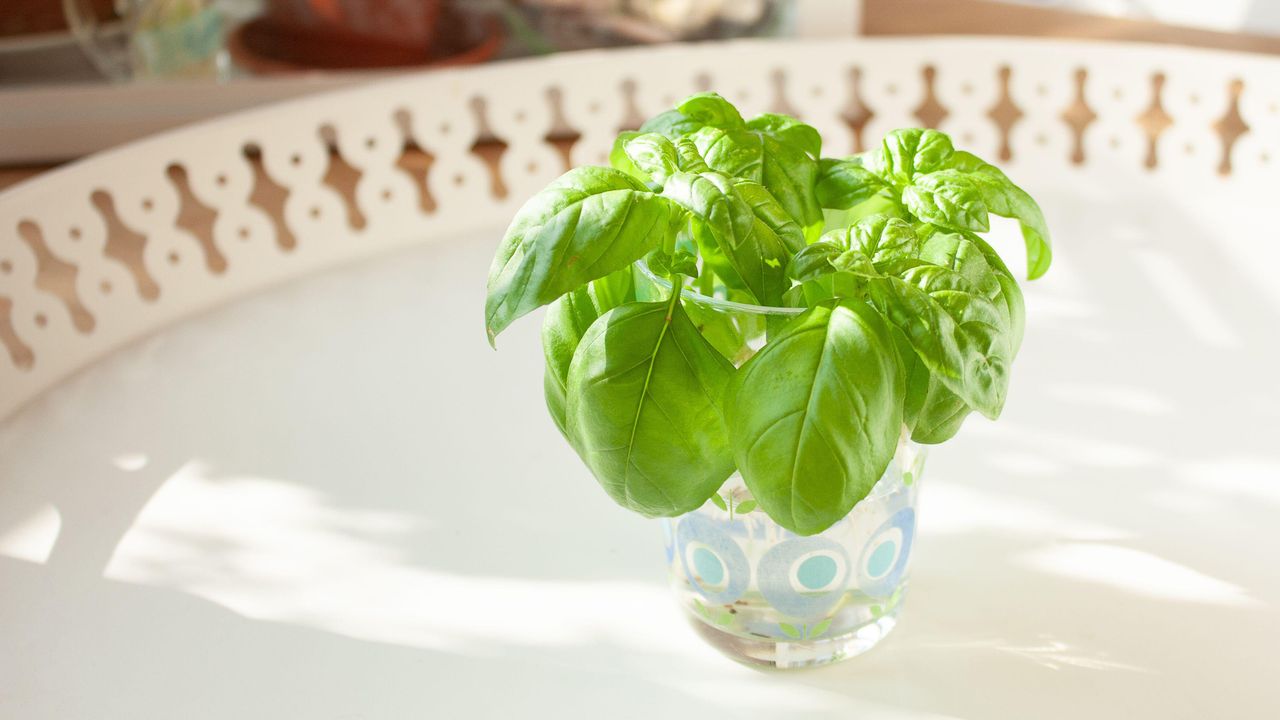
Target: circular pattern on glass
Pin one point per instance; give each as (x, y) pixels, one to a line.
(715, 565)
(707, 565)
(817, 572)
(803, 577)
(669, 539)
(884, 558)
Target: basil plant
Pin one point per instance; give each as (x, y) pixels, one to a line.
(911, 320)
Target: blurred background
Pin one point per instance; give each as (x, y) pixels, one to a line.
(77, 76)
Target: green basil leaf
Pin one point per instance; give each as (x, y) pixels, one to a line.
(709, 108)
(855, 262)
(767, 209)
(824, 289)
(983, 383)
(1005, 199)
(790, 176)
(976, 314)
(619, 160)
(673, 124)
(653, 155)
(684, 263)
(719, 502)
(957, 252)
(925, 323)
(878, 238)
(844, 183)
(644, 405)
(916, 375)
(681, 262)
(785, 171)
(739, 246)
(815, 416)
(941, 414)
(947, 198)
(873, 239)
(794, 297)
(885, 203)
(745, 507)
(688, 158)
(979, 263)
(910, 152)
(738, 153)
(1035, 236)
(960, 335)
(1010, 294)
(711, 216)
(930, 411)
(590, 222)
(563, 326)
(788, 130)
(814, 260)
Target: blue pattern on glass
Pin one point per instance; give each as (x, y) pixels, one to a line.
(884, 559)
(701, 545)
(817, 572)
(803, 577)
(743, 576)
(708, 565)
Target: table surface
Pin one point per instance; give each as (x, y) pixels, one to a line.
(332, 500)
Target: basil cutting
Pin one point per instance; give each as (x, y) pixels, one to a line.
(723, 298)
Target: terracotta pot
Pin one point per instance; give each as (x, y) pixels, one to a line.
(266, 46)
(409, 23)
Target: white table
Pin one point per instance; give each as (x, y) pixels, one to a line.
(332, 500)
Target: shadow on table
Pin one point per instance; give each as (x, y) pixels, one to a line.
(334, 501)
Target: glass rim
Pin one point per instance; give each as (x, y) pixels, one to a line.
(717, 303)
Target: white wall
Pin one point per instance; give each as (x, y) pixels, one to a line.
(1253, 16)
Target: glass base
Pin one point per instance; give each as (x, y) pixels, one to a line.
(789, 654)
